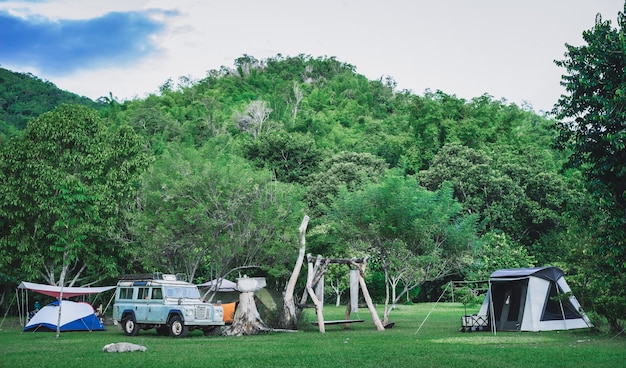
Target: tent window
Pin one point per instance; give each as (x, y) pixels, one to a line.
(126, 293)
(553, 311)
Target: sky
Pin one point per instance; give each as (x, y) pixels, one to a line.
(467, 48)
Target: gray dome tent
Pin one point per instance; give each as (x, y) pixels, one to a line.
(531, 299)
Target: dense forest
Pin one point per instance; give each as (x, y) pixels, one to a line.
(214, 175)
(24, 96)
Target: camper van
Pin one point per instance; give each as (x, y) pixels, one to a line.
(164, 302)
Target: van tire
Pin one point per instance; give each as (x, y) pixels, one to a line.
(177, 327)
(129, 325)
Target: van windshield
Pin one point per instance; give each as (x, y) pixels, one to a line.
(181, 292)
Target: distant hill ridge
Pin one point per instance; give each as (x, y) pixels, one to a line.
(24, 96)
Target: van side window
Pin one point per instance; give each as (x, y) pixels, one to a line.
(126, 293)
(142, 293)
(157, 293)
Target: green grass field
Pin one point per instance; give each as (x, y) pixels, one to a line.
(437, 344)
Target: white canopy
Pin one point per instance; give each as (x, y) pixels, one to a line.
(225, 285)
(68, 292)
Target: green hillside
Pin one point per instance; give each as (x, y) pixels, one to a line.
(24, 96)
(213, 175)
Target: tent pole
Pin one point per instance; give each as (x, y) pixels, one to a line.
(561, 305)
(104, 312)
(493, 317)
(19, 305)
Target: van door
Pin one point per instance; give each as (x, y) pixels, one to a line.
(141, 306)
(157, 312)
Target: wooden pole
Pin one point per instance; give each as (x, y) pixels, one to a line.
(368, 298)
(288, 303)
(319, 308)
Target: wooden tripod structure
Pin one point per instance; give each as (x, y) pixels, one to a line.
(315, 280)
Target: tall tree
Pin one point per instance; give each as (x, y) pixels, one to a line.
(207, 212)
(415, 234)
(592, 113)
(517, 192)
(592, 125)
(65, 186)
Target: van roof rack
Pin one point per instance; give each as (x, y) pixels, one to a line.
(153, 276)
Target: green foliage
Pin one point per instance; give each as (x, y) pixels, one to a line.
(498, 252)
(207, 212)
(596, 105)
(66, 182)
(415, 234)
(519, 193)
(23, 96)
(593, 129)
(290, 156)
(234, 150)
(347, 170)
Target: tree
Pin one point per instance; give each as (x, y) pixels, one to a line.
(415, 234)
(291, 156)
(592, 126)
(66, 185)
(517, 192)
(289, 306)
(345, 169)
(593, 110)
(255, 119)
(498, 252)
(338, 278)
(206, 212)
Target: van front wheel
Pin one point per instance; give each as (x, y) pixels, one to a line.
(130, 326)
(178, 328)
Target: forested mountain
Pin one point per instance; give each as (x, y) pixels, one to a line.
(213, 175)
(24, 96)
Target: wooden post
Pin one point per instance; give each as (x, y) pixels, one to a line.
(289, 306)
(368, 298)
(319, 308)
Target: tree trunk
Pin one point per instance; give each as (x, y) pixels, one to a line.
(247, 319)
(61, 283)
(290, 318)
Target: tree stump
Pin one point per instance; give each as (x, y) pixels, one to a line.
(247, 319)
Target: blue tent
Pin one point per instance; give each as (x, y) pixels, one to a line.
(74, 317)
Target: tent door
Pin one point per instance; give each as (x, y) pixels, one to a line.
(511, 305)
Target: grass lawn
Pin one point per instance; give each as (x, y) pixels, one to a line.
(437, 344)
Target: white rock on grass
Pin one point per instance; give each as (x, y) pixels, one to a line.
(121, 347)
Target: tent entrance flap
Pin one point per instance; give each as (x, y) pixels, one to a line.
(509, 299)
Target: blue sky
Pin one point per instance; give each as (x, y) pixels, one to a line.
(62, 47)
(467, 48)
